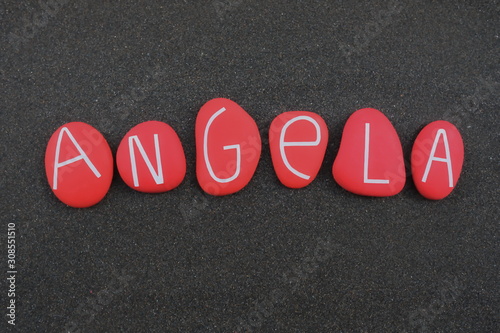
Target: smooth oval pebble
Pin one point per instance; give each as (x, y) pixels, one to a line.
(297, 140)
(370, 159)
(228, 147)
(150, 158)
(436, 159)
(78, 164)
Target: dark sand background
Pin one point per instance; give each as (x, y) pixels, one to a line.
(267, 259)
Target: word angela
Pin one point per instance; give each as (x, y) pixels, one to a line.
(151, 159)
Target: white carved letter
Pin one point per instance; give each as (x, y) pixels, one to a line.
(367, 156)
(284, 144)
(205, 152)
(446, 160)
(157, 175)
(82, 155)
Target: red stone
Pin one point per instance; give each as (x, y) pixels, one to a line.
(436, 159)
(144, 171)
(297, 140)
(79, 165)
(372, 164)
(228, 147)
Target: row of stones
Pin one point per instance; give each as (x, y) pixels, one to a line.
(150, 157)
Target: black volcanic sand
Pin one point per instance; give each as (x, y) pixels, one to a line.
(267, 259)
